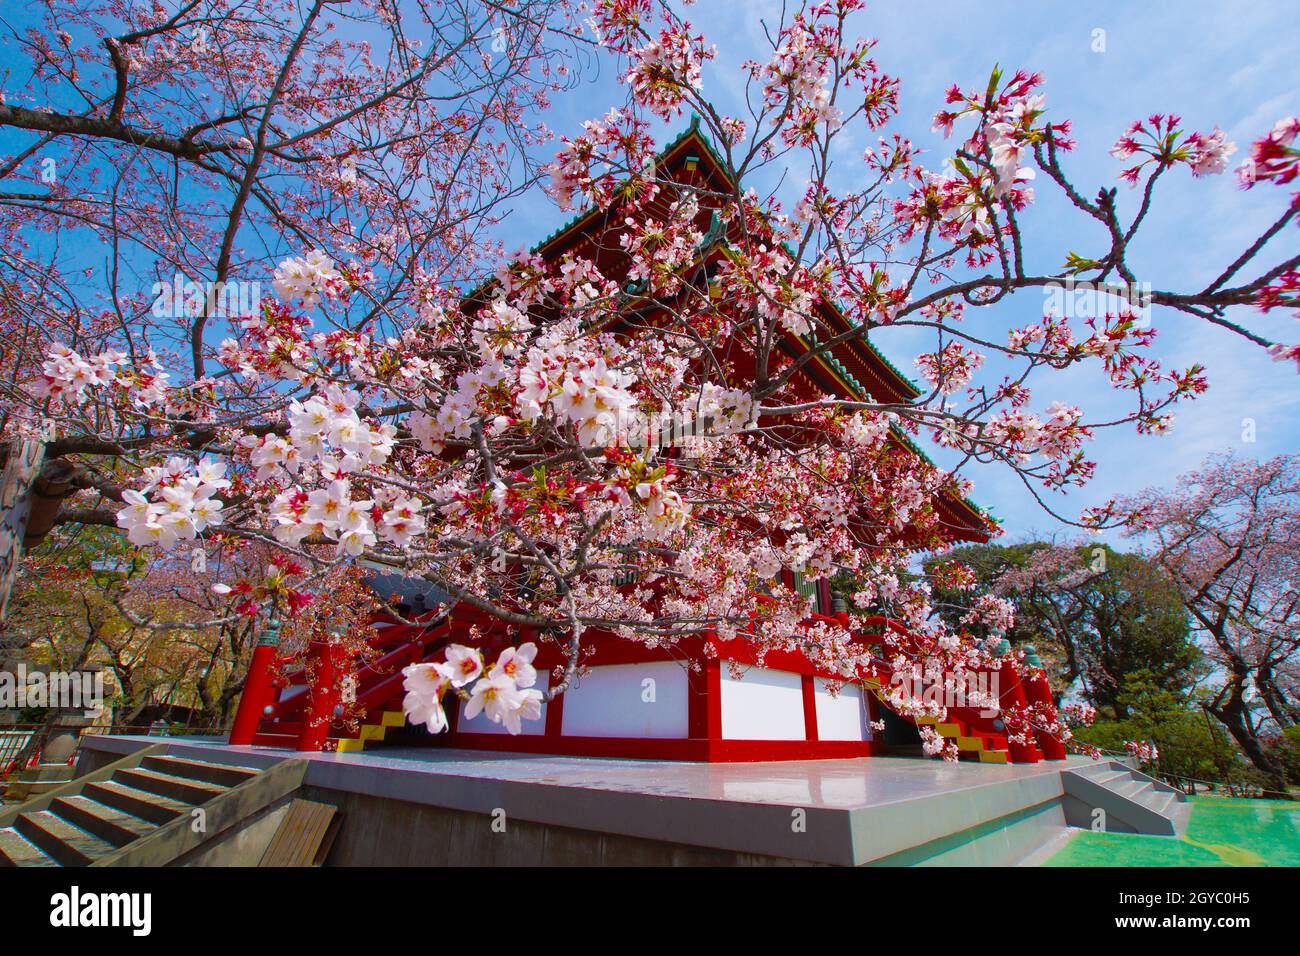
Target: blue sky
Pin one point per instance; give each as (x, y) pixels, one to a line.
(1228, 64)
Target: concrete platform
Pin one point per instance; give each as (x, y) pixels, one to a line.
(445, 807)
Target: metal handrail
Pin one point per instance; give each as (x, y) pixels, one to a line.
(1228, 787)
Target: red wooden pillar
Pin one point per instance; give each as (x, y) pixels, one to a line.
(810, 708)
(259, 689)
(825, 605)
(1011, 696)
(713, 702)
(323, 688)
(1037, 691)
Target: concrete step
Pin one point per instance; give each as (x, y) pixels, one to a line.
(1102, 768)
(1108, 777)
(193, 792)
(1132, 801)
(152, 807)
(1128, 788)
(1159, 801)
(69, 844)
(15, 850)
(109, 823)
(221, 775)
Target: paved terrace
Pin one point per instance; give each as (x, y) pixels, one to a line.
(846, 812)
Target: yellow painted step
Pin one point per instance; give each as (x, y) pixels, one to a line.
(993, 756)
(927, 721)
(970, 743)
(372, 733)
(949, 730)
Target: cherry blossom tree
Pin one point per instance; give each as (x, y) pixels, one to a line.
(183, 149)
(1229, 535)
(502, 435)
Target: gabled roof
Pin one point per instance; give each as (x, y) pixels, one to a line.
(844, 369)
(870, 362)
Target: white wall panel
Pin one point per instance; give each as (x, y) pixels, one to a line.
(612, 701)
(843, 717)
(763, 705)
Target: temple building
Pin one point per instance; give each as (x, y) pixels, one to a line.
(677, 702)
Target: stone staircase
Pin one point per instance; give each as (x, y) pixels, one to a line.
(1129, 800)
(140, 810)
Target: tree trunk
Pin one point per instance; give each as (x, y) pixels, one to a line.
(32, 490)
(1232, 714)
(1266, 684)
(22, 463)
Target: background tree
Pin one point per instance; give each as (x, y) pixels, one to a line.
(1228, 534)
(87, 598)
(1098, 616)
(73, 607)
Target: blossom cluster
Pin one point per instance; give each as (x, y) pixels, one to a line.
(331, 513)
(275, 586)
(1144, 750)
(67, 376)
(1162, 142)
(325, 431)
(991, 176)
(305, 279)
(578, 387)
(951, 369)
(664, 69)
(505, 693)
(1274, 157)
(1009, 126)
(1078, 714)
(175, 503)
(798, 78)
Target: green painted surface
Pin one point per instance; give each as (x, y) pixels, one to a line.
(1222, 831)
